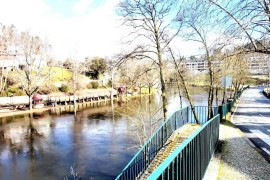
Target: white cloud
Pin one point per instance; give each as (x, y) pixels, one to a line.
(92, 32)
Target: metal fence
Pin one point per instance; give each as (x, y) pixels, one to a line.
(191, 158)
(202, 113)
(146, 154)
(139, 163)
(225, 108)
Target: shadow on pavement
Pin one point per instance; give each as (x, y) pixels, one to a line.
(238, 160)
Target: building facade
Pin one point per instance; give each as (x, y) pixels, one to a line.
(8, 58)
(258, 64)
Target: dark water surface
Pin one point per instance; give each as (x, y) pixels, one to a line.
(97, 143)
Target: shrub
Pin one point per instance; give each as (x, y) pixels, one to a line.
(95, 85)
(89, 86)
(109, 84)
(63, 88)
(11, 81)
(43, 90)
(47, 89)
(14, 91)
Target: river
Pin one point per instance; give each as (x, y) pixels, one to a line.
(97, 143)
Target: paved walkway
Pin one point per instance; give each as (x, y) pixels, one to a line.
(238, 159)
(252, 116)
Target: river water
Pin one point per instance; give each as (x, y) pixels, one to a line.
(97, 143)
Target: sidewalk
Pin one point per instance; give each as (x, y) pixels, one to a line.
(237, 159)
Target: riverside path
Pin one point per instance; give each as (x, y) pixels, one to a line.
(252, 116)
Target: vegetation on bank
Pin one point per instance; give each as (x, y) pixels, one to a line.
(59, 82)
(257, 80)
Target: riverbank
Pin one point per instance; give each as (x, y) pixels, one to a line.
(67, 107)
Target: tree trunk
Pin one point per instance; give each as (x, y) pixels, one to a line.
(211, 92)
(217, 95)
(74, 102)
(190, 101)
(185, 89)
(112, 89)
(162, 82)
(30, 101)
(224, 94)
(179, 93)
(210, 100)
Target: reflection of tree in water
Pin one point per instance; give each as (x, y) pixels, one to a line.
(2, 136)
(19, 140)
(31, 135)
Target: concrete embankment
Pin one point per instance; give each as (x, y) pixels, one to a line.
(63, 104)
(90, 95)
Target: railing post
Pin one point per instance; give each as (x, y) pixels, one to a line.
(220, 112)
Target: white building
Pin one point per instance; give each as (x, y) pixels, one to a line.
(258, 63)
(8, 58)
(197, 64)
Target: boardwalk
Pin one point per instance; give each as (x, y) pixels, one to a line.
(252, 116)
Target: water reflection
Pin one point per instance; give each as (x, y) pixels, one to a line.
(97, 142)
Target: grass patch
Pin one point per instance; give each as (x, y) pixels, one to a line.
(257, 80)
(145, 90)
(60, 74)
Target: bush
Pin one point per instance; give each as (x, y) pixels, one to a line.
(63, 88)
(43, 90)
(89, 86)
(14, 91)
(95, 85)
(109, 84)
(47, 89)
(11, 81)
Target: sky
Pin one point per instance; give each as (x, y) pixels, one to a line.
(74, 28)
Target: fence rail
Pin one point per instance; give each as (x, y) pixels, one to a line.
(139, 163)
(191, 158)
(146, 154)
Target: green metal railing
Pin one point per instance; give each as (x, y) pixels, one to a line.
(225, 108)
(139, 163)
(146, 154)
(191, 158)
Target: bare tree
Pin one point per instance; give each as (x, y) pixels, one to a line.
(142, 74)
(246, 20)
(145, 120)
(179, 69)
(149, 76)
(238, 70)
(112, 68)
(7, 39)
(3, 79)
(77, 69)
(196, 20)
(151, 21)
(34, 56)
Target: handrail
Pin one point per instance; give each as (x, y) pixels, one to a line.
(139, 163)
(191, 145)
(146, 154)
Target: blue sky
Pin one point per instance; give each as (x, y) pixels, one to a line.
(65, 7)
